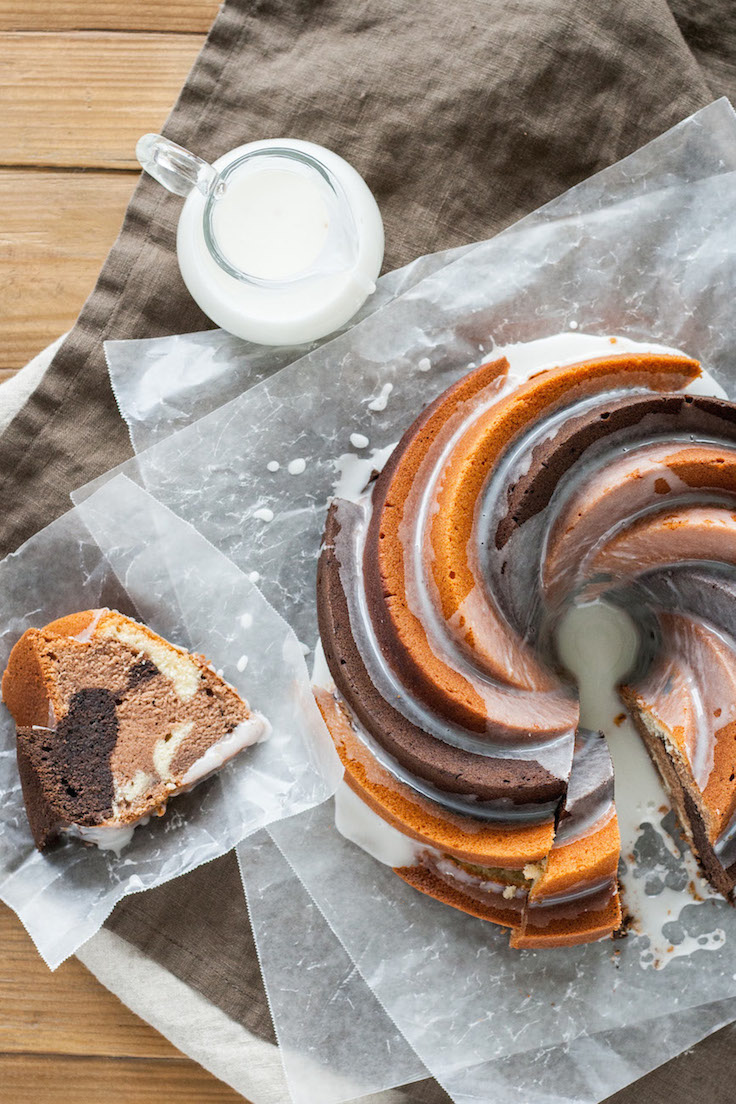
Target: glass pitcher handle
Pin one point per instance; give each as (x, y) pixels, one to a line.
(175, 167)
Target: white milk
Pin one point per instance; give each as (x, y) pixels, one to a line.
(273, 225)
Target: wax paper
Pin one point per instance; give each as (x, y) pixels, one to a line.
(162, 385)
(645, 249)
(469, 1005)
(337, 1043)
(345, 1037)
(124, 550)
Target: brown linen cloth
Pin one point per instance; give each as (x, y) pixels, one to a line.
(462, 116)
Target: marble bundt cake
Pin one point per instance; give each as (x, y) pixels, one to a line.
(438, 596)
(112, 722)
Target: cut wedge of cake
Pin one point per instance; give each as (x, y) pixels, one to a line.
(685, 711)
(112, 722)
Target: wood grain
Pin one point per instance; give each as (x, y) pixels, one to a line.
(78, 101)
(44, 1012)
(50, 1079)
(108, 15)
(64, 1039)
(55, 230)
(84, 98)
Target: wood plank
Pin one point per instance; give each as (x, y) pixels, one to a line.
(78, 100)
(111, 15)
(56, 229)
(67, 1012)
(84, 98)
(54, 1080)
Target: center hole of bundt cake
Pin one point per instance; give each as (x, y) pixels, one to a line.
(599, 644)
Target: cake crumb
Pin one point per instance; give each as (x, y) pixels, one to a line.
(619, 719)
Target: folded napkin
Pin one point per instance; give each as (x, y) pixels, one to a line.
(462, 117)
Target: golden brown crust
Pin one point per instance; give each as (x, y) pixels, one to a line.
(587, 927)
(484, 442)
(592, 858)
(26, 678)
(401, 631)
(466, 839)
(427, 882)
(72, 624)
(24, 686)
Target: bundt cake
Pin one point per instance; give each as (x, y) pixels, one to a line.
(439, 593)
(113, 721)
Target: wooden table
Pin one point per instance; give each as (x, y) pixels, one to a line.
(80, 80)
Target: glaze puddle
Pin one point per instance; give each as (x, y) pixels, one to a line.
(659, 875)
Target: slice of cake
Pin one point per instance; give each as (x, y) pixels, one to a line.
(685, 710)
(574, 896)
(113, 721)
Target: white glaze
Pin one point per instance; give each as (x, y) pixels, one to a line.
(253, 730)
(358, 823)
(598, 643)
(85, 635)
(528, 357)
(380, 402)
(354, 472)
(107, 837)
